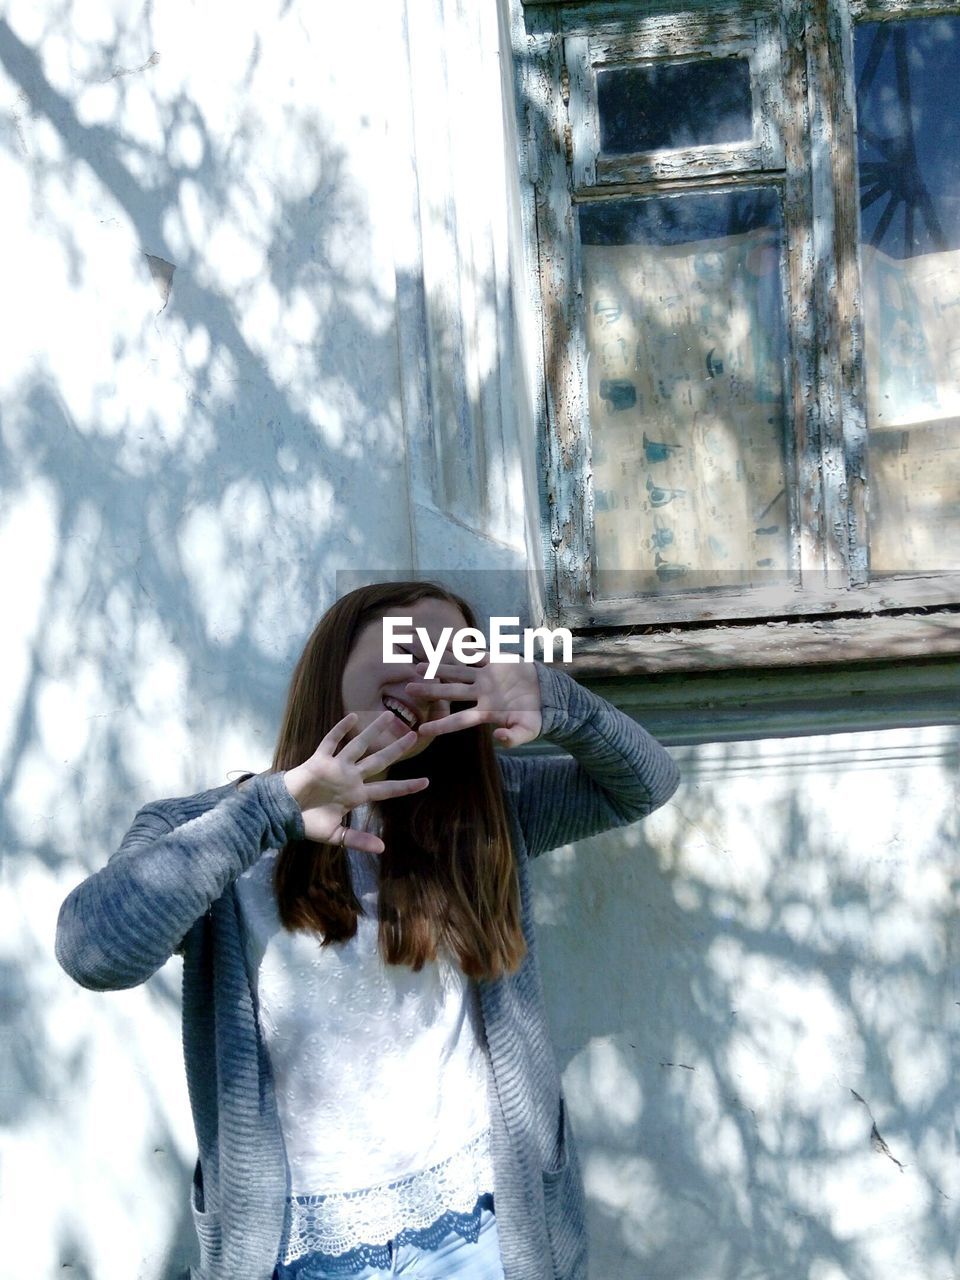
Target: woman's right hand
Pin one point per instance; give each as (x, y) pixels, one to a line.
(331, 782)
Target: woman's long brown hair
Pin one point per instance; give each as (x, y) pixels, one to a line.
(447, 875)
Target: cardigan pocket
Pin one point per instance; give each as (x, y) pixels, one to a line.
(564, 1207)
(207, 1226)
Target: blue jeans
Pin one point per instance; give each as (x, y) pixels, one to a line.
(454, 1258)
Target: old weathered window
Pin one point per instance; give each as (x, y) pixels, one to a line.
(748, 238)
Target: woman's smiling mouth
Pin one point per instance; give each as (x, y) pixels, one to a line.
(401, 711)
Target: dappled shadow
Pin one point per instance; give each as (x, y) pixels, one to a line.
(749, 997)
(184, 477)
(205, 433)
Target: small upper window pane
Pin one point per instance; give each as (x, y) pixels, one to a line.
(666, 105)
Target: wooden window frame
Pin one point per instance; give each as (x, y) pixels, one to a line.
(810, 154)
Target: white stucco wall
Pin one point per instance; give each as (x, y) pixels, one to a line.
(181, 483)
(255, 307)
(329, 374)
(742, 987)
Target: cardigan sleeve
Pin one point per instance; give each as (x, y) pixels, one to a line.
(615, 772)
(121, 924)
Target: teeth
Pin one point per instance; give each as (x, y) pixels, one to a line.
(405, 714)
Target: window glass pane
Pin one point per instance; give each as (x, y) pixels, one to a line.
(686, 356)
(908, 105)
(674, 104)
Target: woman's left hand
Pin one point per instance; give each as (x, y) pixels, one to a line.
(506, 694)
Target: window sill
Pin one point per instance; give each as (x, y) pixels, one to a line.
(782, 644)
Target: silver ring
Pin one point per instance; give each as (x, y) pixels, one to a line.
(343, 836)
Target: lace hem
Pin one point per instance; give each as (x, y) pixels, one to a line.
(344, 1223)
(318, 1266)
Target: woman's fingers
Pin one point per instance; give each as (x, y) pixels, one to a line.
(439, 691)
(317, 822)
(390, 790)
(377, 761)
(357, 746)
(449, 669)
(449, 724)
(330, 740)
(515, 736)
(363, 841)
(317, 828)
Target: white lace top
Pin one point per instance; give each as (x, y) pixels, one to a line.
(379, 1071)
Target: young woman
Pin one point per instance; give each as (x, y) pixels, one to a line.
(370, 1075)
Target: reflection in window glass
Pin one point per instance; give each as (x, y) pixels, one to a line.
(908, 104)
(674, 104)
(686, 355)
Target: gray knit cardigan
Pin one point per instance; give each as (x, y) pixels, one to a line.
(170, 887)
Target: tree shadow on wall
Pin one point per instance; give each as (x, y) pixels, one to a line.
(753, 1014)
(185, 556)
(183, 548)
